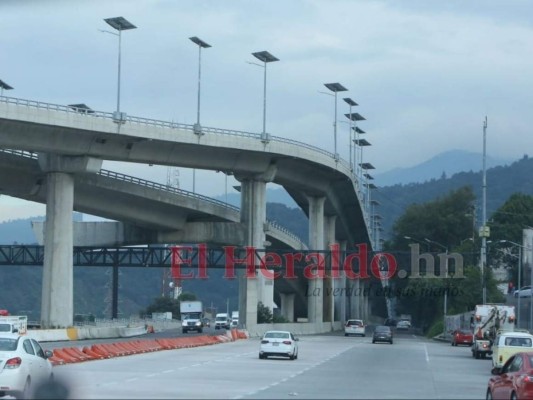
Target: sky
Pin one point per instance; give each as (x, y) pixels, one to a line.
(425, 73)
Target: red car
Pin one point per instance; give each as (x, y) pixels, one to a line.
(514, 380)
(462, 337)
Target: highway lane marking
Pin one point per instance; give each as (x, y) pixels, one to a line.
(132, 379)
(427, 354)
(312, 365)
(168, 371)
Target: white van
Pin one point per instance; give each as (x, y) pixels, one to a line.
(507, 344)
(222, 321)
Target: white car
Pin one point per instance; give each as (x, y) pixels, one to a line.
(354, 327)
(280, 344)
(23, 365)
(524, 292)
(403, 325)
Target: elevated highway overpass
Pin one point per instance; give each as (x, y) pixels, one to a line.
(72, 144)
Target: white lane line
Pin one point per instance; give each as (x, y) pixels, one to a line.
(311, 366)
(168, 371)
(427, 354)
(132, 379)
(150, 375)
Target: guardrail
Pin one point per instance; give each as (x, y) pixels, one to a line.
(164, 124)
(174, 125)
(166, 188)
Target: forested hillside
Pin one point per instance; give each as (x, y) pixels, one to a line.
(502, 182)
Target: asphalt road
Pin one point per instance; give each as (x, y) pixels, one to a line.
(328, 366)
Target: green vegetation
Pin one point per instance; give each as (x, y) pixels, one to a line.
(264, 315)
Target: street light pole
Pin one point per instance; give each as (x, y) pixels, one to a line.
(197, 127)
(120, 24)
(265, 57)
(351, 103)
(335, 88)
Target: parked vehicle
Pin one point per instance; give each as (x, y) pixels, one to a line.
(488, 320)
(354, 327)
(514, 380)
(222, 321)
(14, 324)
(382, 333)
(462, 337)
(191, 316)
(508, 344)
(280, 344)
(524, 291)
(23, 365)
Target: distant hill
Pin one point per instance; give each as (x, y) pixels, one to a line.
(447, 163)
(502, 182)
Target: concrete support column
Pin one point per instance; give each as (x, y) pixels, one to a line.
(329, 282)
(253, 216)
(57, 305)
(356, 299)
(287, 306)
(343, 289)
(57, 298)
(316, 242)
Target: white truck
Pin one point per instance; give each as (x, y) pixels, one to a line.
(222, 321)
(192, 313)
(488, 320)
(234, 319)
(14, 324)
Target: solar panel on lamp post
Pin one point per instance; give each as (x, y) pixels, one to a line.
(4, 86)
(351, 103)
(335, 88)
(356, 117)
(120, 24)
(266, 58)
(197, 127)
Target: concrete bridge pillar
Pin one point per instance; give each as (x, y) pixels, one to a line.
(356, 298)
(316, 242)
(340, 305)
(57, 301)
(287, 306)
(253, 217)
(329, 282)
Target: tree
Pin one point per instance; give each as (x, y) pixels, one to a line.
(508, 223)
(168, 304)
(264, 315)
(444, 221)
(164, 304)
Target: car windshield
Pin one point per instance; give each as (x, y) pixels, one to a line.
(382, 329)
(8, 344)
(276, 335)
(5, 328)
(221, 318)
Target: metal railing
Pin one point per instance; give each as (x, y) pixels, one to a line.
(166, 188)
(174, 125)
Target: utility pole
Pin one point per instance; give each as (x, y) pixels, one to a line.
(484, 231)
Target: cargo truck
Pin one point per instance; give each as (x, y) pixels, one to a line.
(192, 313)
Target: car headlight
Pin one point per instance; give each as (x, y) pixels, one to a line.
(198, 323)
(184, 323)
